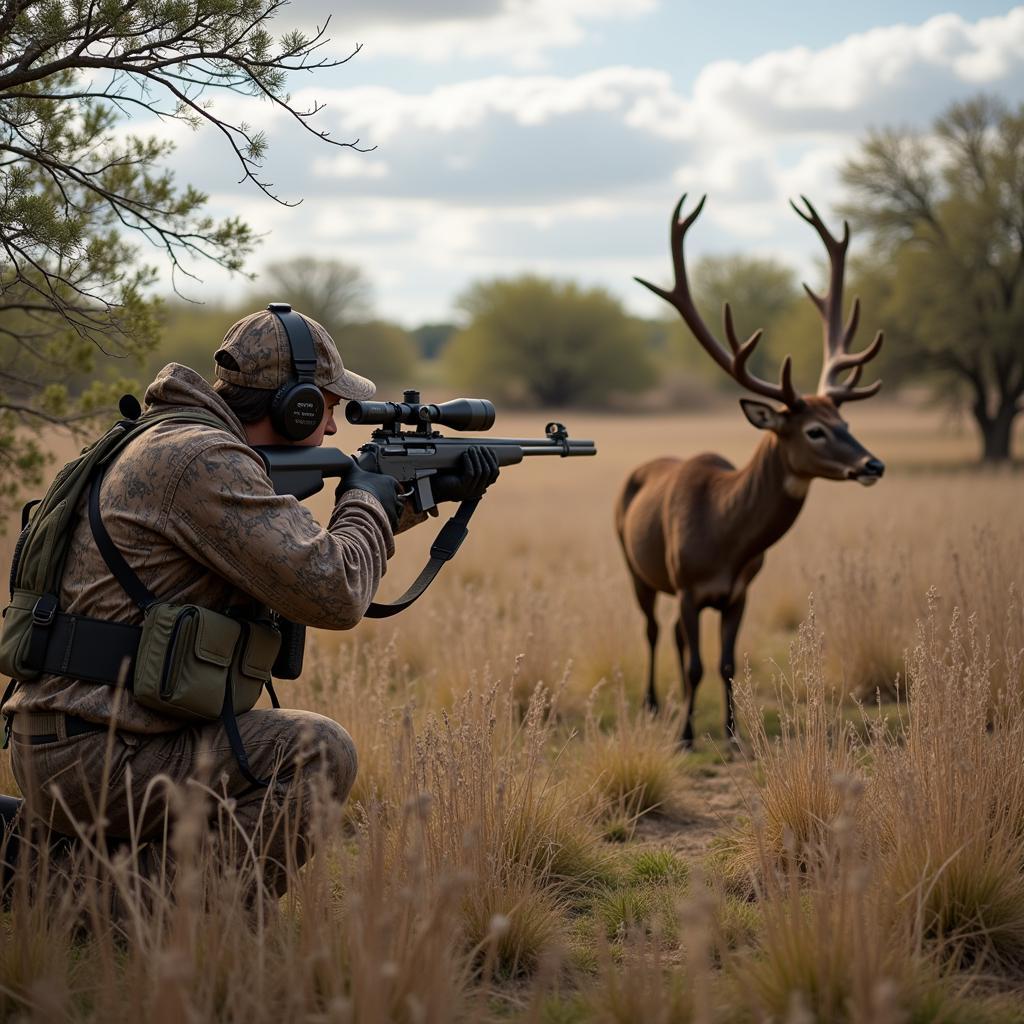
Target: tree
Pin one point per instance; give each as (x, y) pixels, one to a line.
(764, 295)
(339, 296)
(761, 291)
(190, 333)
(432, 338)
(332, 292)
(77, 193)
(550, 343)
(945, 214)
(382, 351)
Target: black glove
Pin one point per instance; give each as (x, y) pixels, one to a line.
(477, 470)
(384, 488)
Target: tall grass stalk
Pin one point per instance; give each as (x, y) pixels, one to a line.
(948, 801)
(798, 801)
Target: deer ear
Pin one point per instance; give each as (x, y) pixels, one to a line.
(762, 415)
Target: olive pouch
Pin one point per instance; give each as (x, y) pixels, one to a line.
(251, 669)
(31, 563)
(189, 655)
(15, 635)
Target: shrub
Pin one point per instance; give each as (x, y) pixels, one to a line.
(633, 768)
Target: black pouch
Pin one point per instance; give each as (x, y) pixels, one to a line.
(288, 664)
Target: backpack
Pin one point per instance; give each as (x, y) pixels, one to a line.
(185, 661)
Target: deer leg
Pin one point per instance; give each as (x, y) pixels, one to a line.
(686, 740)
(688, 634)
(646, 596)
(731, 618)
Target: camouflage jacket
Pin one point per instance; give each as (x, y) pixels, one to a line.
(195, 515)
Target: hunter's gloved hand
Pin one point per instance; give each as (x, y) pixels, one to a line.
(384, 488)
(477, 470)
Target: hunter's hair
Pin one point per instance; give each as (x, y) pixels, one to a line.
(248, 404)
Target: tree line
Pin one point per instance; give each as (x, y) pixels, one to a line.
(525, 340)
(86, 210)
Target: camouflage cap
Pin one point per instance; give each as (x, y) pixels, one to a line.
(255, 354)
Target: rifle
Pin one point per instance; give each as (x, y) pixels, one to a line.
(410, 457)
(413, 457)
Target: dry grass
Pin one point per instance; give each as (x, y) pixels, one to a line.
(799, 801)
(632, 768)
(821, 922)
(881, 870)
(895, 893)
(471, 876)
(951, 767)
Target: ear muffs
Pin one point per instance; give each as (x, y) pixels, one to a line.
(298, 406)
(296, 410)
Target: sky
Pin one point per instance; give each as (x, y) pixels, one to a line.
(555, 136)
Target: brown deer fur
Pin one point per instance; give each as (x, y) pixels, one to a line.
(698, 528)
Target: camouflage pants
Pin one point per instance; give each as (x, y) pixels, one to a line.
(308, 756)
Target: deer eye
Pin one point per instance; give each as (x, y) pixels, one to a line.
(816, 434)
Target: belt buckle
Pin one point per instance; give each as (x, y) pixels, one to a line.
(44, 610)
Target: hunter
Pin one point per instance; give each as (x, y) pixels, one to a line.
(191, 510)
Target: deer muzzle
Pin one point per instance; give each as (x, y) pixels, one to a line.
(869, 472)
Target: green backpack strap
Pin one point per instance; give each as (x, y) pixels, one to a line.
(42, 551)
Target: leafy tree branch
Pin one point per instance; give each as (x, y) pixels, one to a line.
(80, 197)
(945, 212)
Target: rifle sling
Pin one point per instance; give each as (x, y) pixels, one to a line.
(448, 541)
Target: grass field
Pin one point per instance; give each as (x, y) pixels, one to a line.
(542, 575)
(523, 843)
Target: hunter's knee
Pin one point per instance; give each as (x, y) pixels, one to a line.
(330, 755)
(340, 763)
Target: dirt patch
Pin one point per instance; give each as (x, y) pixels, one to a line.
(720, 793)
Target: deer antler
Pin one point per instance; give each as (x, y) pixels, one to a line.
(734, 360)
(838, 358)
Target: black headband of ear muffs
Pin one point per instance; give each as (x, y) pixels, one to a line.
(300, 341)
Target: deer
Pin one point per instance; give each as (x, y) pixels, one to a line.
(698, 528)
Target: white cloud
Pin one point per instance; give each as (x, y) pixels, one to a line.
(520, 31)
(381, 114)
(403, 12)
(349, 164)
(576, 174)
(887, 74)
(621, 126)
(524, 140)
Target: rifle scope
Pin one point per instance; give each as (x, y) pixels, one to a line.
(458, 414)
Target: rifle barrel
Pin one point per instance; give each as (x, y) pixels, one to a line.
(556, 448)
(523, 442)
